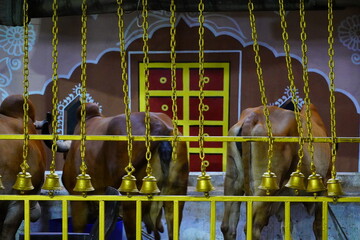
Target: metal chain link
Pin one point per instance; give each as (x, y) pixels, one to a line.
(55, 88)
(303, 38)
(204, 163)
(145, 26)
(293, 89)
(173, 79)
(261, 83)
(24, 166)
(332, 88)
(83, 166)
(120, 12)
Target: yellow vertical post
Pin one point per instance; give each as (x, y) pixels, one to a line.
(101, 220)
(287, 221)
(138, 220)
(176, 220)
(212, 220)
(64, 220)
(324, 220)
(249, 213)
(27, 219)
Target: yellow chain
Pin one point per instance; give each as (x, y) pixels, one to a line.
(55, 86)
(332, 88)
(24, 166)
(120, 12)
(145, 26)
(83, 166)
(204, 163)
(173, 78)
(306, 84)
(294, 97)
(261, 83)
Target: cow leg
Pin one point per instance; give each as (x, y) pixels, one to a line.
(169, 215)
(230, 220)
(261, 214)
(129, 219)
(13, 219)
(317, 225)
(79, 214)
(233, 186)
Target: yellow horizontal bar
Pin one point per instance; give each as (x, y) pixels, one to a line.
(182, 93)
(180, 138)
(182, 198)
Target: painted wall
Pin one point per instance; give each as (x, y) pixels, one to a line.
(227, 39)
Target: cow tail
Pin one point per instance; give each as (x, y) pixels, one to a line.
(246, 153)
(165, 153)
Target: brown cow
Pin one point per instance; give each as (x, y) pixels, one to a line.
(11, 122)
(248, 161)
(106, 161)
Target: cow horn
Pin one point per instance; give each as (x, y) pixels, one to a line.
(62, 146)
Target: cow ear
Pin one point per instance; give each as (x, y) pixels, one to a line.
(31, 111)
(91, 109)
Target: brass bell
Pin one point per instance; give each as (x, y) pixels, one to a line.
(204, 184)
(83, 184)
(268, 182)
(149, 185)
(296, 181)
(52, 182)
(23, 182)
(315, 183)
(1, 183)
(128, 184)
(334, 187)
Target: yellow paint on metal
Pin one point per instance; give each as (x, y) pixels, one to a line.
(176, 221)
(287, 221)
(249, 213)
(324, 220)
(213, 220)
(180, 138)
(101, 220)
(138, 218)
(27, 220)
(64, 212)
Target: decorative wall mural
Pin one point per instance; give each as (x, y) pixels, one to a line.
(160, 19)
(349, 36)
(12, 43)
(287, 96)
(71, 98)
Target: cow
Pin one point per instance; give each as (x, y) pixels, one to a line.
(11, 122)
(247, 161)
(106, 162)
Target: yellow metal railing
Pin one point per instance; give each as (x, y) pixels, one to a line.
(180, 138)
(176, 199)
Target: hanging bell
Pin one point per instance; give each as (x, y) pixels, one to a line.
(83, 184)
(204, 184)
(296, 181)
(149, 185)
(315, 183)
(52, 182)
(334, 187)
(23, 182)
(128, 184)
(1, 183)
(268, 182)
